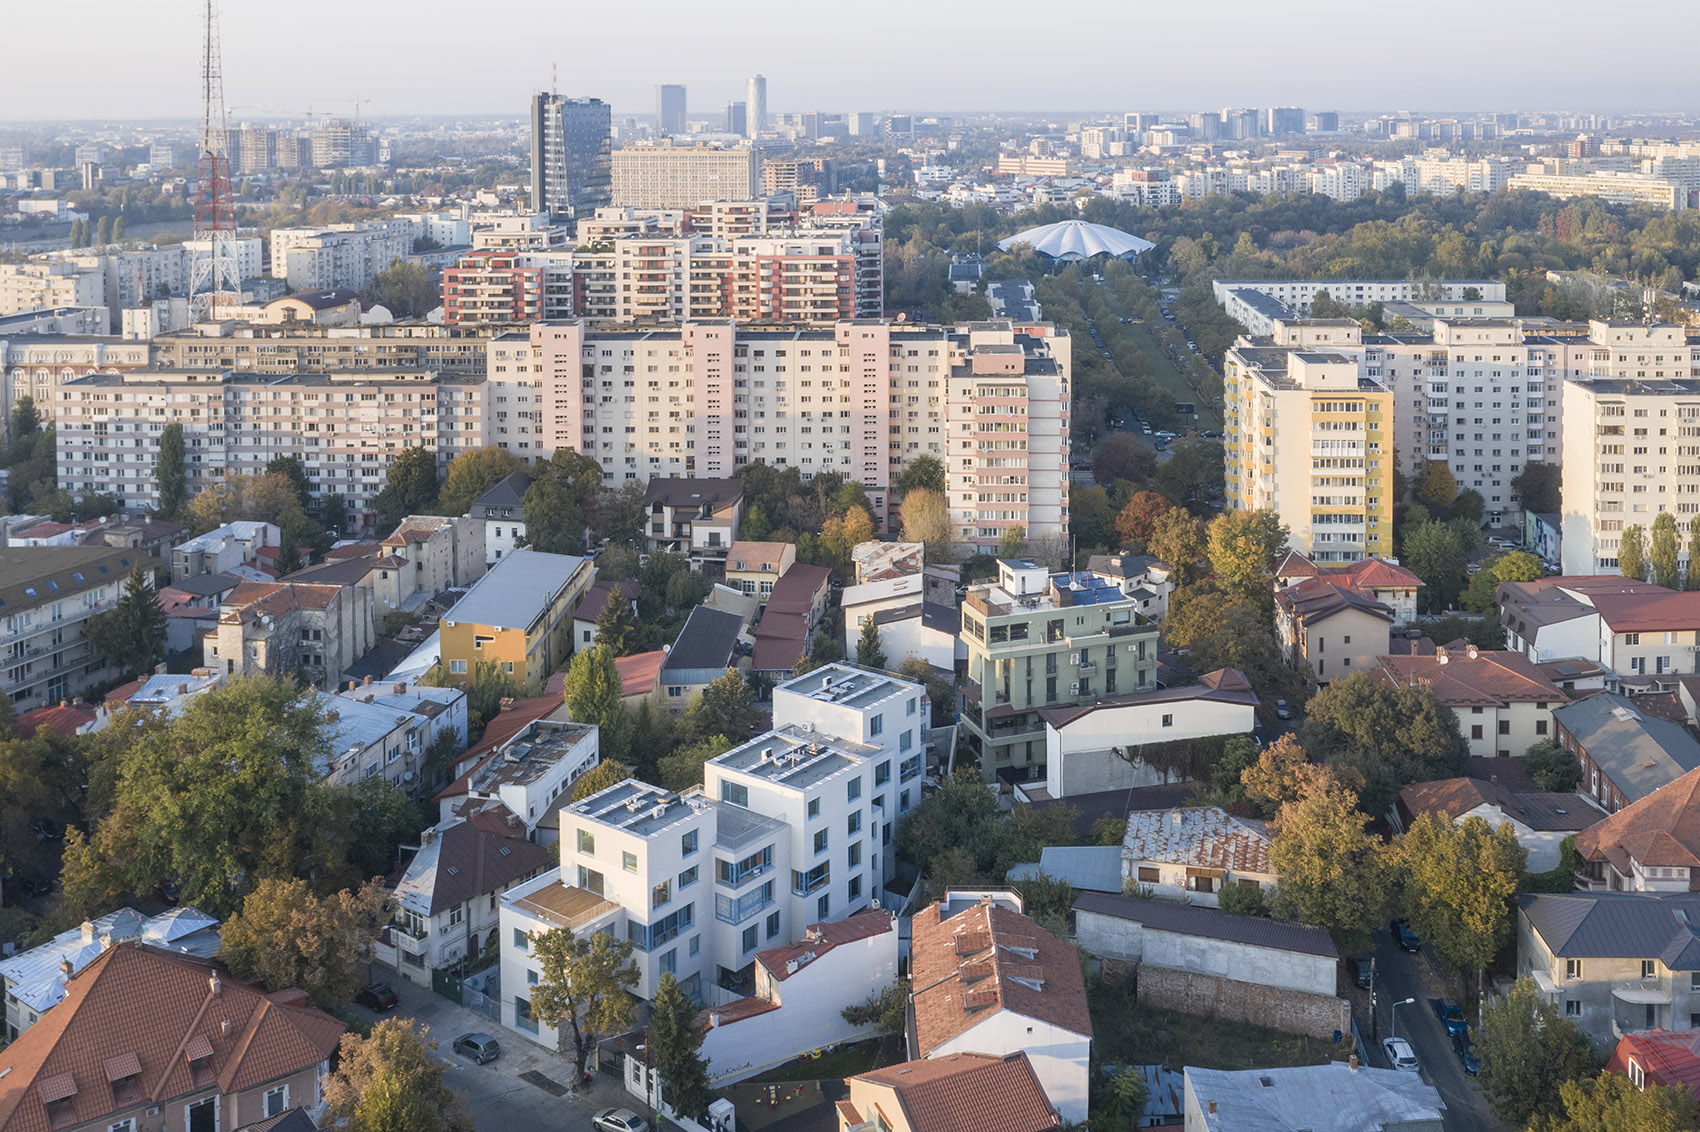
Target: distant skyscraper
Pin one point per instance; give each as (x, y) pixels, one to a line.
(1280, 120)
(755, 105)
(1327, 122)
(571, 154)
(861, 124)
(670, 109)
(735, 118)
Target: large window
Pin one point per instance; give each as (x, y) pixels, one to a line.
(732, 875)
(804, 883)
(735, 792)
(586, 842)
(647, 937)
(277, 1100)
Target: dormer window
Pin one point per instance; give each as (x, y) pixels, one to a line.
(124, 1074)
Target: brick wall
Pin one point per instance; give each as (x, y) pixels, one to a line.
(1318, 1015)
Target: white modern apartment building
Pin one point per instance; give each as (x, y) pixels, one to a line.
(665, 175)
(1613, 187)
(341, 255)
(346, 429)
(1632, 452)
(1257, 303)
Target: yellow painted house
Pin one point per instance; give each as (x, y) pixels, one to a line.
(519, 615)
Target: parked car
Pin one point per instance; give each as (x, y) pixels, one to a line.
(1404, 936)
(1450, 1015)
(1165, 434)
(48, 829)
(1145, 427)
(167, 891)
(1283, 709)
(479, 1046)
(1211, 434)
(1466, 1051)
(1400, 1055)
(618, 1120)
(36, 886)
(1162, 444)
(1363, 970)
(377, 996)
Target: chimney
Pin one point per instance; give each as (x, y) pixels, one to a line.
(352, 685)
(64, 703)
(1494, 778)
(182, 689)
(65, 968)
(1472, 652)
(215, 986)
(1213, 1103)
(714, 1019)
(106, 941)
(1352, 1063)
(368, 680)
(224, 1027)
(88, 931)
(399, 688)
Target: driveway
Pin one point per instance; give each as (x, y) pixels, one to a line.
(1398, 976)
(495, 1094)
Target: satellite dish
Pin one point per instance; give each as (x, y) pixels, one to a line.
(407, 776)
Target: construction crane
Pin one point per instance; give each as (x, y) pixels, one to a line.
(358, 103)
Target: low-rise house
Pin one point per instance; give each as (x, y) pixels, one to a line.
(878, 560)
(426, 555)
(153, 537)
(301, 628)
(1625, 754)
(1192, 853)
(696, 518)
(1331, 626)
(1667, 1058)
(986, 979)
(880, 595)
(755, 567)
(1540, 819)
(191, 607)
(223, 549)
(1375, 579)
(1096, 746)
(801, 991)
(640, 677)
(1335, 1097)
(595, 602)
(65, 719)
(959, 1092)
(151, 1039)
(532, 774)
(1652, 845)
(1148, 579)
(164, 693)
(519, 616)
(707, 647)
(1207, 961)
(794, 609)
(501, 509)
(1613, 962)
(1502, 702)
(448, 894)
(1644, 634)
(387, 728)
(35, 980)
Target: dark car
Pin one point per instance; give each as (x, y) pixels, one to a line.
(1404, 936)
(36, 886)
(479, 1046)
(1450, 1016)
(1466, 1051)
(1363, 970)
(167, 891)
(377, 996)
(48, 829)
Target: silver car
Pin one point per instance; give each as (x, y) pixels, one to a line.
(1400, 1055)
(619, 1120)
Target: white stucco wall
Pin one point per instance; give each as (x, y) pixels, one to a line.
(1116, 938)
(1060, 1059)
(1079, 759)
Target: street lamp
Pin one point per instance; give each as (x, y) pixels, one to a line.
(1394, 1014)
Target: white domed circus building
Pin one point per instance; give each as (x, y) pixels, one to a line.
(1070, 240)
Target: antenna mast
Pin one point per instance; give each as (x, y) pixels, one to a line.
(214, 280)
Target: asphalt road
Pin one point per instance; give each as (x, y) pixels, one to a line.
(1400, 975)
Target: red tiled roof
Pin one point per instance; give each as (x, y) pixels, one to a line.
(138, 1002)
(1666, 1057)
(1661, 830)
(822, 938)
(1317, 599)
(639, 673)
(252, 599)
(969, 1092)
(61, 719)
(123, 692)
(795, 591)
(1008, 946)
(1484, 679)
(1649, 613)
(352, 550)
(1537, 809)
(1373, 574)
(506, 724)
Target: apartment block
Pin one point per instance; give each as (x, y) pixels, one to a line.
(346, 429)
(310, 630)
(33, 365)
(682, 176)
(47, 595)
(519, 616)
(40, 285)
(1611, 186)
(1632, 450)
(1038, 640)
(409, 348)
(1307, 437)
(341, 255)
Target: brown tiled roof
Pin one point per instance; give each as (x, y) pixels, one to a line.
(638, 673)
(352, 550)
(1661, 830)
(969, 1092)
(755, 557)
(822, 938)
(1204, 837)
(795, 591)
(1372, 574)
(1317, 599)
(137, 1002)
(1472, 678)
(253, 599)
(62, 719)
(595, 599)
(1538, 809)
(1026, 970)
(1649, 613)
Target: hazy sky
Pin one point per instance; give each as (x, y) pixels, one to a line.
(140, 58)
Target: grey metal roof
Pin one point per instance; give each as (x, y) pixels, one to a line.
(1636, 750)
(508, 492)
(1618, 925)
(1211, 923)
(1089, 868)
(706, 641)
(515, 590)
(1319, 1098)
(208, 585)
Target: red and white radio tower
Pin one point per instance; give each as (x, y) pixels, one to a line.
(215, 280)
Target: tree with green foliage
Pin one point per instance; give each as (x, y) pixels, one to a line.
(675, 1047)
(1512, 566)
(1243, 547)
(554, 524)
(486, 686)
(1180, 541)
(1333, 871)
(1537, 487)
(410, 487)
(941, 691)
(617, 626)
(592, 692)
(584, 986)
(956, 834)
(1469, 506)
(1378, 739)
(1691, 575)
(406, 289)
(131, 635)
(1244, 899)
(333, 512)
(1435, 487)
(118, 230)
(292, 470)
(1552, 767)
(1324, 305)
(474, 472)
(1612, 1102)
(1242, 637)
(924, 471)
(1283, 773)
(885, 1010)
(598, 778)
(286, 936)
(725, 707)
(1122, 457)
(926, 520)
(683, 767)
(1437, 553)
(1528, 1051)
(1663, 555)
(1632, 555)
(869, 652)
(392, 1081)
(170, 471)
(1460, 880)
